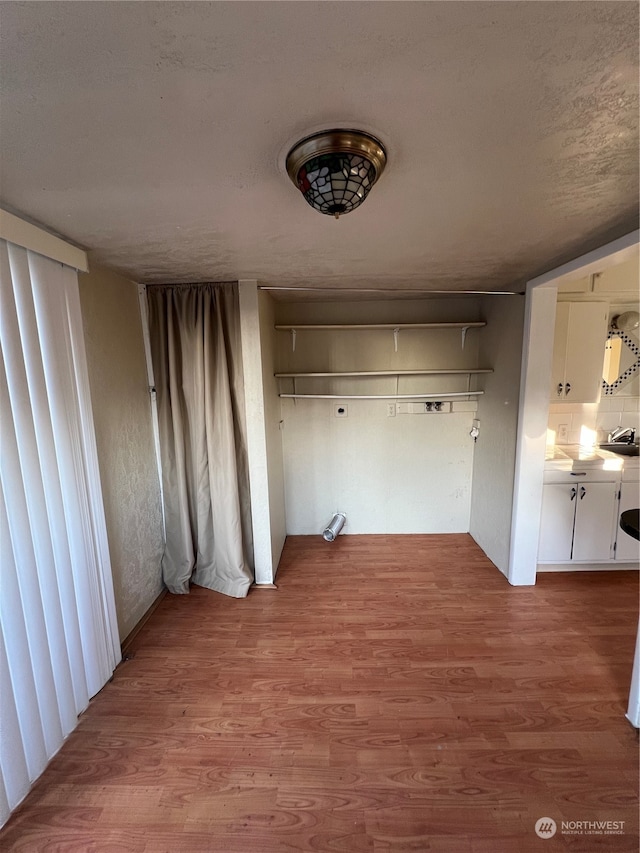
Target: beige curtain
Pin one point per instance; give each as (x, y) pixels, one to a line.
(195, 349)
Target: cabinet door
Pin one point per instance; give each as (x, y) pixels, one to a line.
(593, 532)
(627, 548)
(556, 522)
(585, 351)
(559, 351)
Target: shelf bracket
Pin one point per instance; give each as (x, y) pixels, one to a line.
(293, 340)
(396, 335)
(464, 335)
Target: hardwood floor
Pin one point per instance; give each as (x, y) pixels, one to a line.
(394, 694)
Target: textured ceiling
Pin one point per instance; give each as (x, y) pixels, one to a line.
(154, 134)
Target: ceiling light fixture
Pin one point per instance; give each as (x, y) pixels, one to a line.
(335, 170)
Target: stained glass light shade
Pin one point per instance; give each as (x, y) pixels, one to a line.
(335, 170)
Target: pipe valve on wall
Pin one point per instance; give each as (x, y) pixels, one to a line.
(334, 527)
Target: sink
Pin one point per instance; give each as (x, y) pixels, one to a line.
(620, 448)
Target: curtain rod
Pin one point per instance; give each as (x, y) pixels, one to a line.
(185, 283)
(391, 290)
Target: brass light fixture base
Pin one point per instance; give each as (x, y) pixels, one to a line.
(336, 141)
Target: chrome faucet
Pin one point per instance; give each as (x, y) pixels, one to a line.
(622, 435)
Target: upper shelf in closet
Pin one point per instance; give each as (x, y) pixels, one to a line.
(388, 326)
(396, 328)
(460, 371)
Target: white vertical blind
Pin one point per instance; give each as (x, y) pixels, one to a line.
(58, 632)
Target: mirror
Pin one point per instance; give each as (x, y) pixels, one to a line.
(621, 364)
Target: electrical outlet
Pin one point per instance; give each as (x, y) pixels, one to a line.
(391, 410)
(341, 410)
(562, 433)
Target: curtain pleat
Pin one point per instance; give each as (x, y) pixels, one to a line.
(58, 633)
(195, 347)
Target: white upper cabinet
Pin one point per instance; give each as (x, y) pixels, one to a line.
(559, 360)
(578, 351)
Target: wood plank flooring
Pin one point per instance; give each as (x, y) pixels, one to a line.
(394, 694)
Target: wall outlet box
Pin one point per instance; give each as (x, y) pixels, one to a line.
(430, 407)
(562, 433)
(391, 410)
(435, 407)
(341, 410)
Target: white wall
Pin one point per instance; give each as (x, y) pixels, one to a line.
(273, 434)
(263, 451)
(402, 474)
(124, 438)
(494, 458)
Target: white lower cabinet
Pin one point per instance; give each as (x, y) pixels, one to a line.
(628, 548)
(577, 523)
(592, 536)
(557, 522)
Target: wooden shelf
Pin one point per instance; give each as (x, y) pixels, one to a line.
(456, 371)
(389, 326)
(396, 328)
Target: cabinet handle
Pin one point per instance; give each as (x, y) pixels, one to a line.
(560, 387)
(573, 492)
(583, 492)
(567, 389)
(578, 473)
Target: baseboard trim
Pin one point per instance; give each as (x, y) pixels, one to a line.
(587, 567)
(263, 586)
(128, 640)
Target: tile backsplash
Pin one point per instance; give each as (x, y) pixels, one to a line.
(588, 423)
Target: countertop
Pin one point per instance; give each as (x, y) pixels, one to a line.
(568, 456)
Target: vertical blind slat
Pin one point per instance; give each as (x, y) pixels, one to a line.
(23, 742)
(53, 334)
(13, 763)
